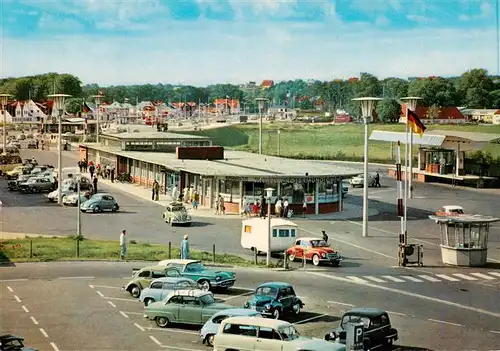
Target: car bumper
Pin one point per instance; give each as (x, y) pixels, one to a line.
(223, 283)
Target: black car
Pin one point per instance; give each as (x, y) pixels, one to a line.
(9, 342)
(378, 332)
(31, 144)
(13, 184)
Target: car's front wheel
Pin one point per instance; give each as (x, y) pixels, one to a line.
(115, 208)
(205, 285)
(97, 209)
(291, 257)
(210, 340)
(135, 291)
(162, 322)
(296, 308)
(276, 314)
(315, 260)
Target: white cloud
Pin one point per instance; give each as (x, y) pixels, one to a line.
(419, 18)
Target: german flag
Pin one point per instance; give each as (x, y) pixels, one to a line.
(415, 123)
(86, 108)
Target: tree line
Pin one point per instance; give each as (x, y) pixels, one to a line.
(473, 89)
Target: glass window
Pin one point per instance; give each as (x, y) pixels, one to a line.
(292, 233)
(158, 274)
(284, 233)
(219, 319)
(207, 299)
(190, 300)
(144, 274)
(269, 333)
(235, 329)
(293, 192)
(248, 229)
(156, 285)
(266, 291)
(169, 286)
(176, 300)
(275, 233)
(289, 333)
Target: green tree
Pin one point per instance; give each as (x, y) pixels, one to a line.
(74, 105)
(494, 97)
(433, 113)
(395, 88)
(473, 88)
(477, 98)
(434, 91)
(389, 111)
(69, 84)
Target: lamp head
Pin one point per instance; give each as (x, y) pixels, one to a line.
(59, 100)
(269, 192)
(411, 101)
(368, 104)
(4, 98)
(98, 98)
(261, 102)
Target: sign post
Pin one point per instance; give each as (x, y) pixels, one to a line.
(354, 337)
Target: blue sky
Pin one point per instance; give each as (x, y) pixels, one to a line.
(233, 41)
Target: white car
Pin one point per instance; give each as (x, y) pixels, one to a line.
(359, 180)
(72, 199)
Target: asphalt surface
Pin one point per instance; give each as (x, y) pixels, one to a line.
(84, 308)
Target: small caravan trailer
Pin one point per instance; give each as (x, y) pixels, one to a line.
(254, 234)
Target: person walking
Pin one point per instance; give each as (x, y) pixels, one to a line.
(262, 207)
(196, 200)
(94, 181)
(325, 236)
(123, 245)
(278, 206)
(156, 191)
(85, 165)
(112, 174)
(80, 166)
(377, 180)
(285, 208)
(91, 171)
(185, 248)
(304, 208)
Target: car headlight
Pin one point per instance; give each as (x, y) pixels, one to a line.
(323, 255)
(246, 305)
(218, 278)
(268, 307)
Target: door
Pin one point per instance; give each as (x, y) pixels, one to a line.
(268, 340)
(144, 278)
(167, 289)
(190, 311)
(298, 250)
(286, 297)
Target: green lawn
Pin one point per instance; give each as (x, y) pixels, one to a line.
(342, 142)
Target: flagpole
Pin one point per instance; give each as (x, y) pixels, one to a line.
(405, 197)
(410, 159)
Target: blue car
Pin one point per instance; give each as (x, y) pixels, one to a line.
(100, 202)
(275, 299)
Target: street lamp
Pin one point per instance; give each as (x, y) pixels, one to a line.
(59, 103)
(261, 103)
(4, 98)
(368, 104)
(78, 178)
(269, 194)
(98, 99)
(279, 142)
(411, 103)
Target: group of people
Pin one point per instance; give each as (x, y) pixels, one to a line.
(189, 195)
(281, 208)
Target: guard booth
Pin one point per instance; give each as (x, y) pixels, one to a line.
(464, 239)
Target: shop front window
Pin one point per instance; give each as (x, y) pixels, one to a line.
(328, 191)
(230, 191)
(293, 192)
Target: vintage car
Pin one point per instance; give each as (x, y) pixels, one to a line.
(31, 144)
(193, 307)
(36, 185)
(450, 210)
(9, 342)
(176, 214)
(141, 278)
(345, 187)
(161, 287)
(378, 332)
(315, 250)
(72, 199)
(250, 333)
(358, 181)
(70, 187)
(16, 172)
(100, 202)
(208, 279)
(274, 300)
(13, 184)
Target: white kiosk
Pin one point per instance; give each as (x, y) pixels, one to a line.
(464, 239)
(255, 232)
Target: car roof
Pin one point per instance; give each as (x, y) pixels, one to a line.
(366, 311)
(171, 280)
(188, 292)
(275, 285)
(259, 322)
(309, 238)
(237, 312)
(9, 337)
(179, 261)
(452, 207)
(154, 268)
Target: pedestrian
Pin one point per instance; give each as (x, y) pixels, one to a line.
(37, 143)
(285, 208)
(155, 191)
(91, 171)
(377, 180)
(94, 180)
(304, 207)
(277, 207)
(123, 245)
(112, 174)
(175, 194)
(262, 207)
(185, 248)
(80, 166)
(85, 165)
(325, 236)
(196, 200)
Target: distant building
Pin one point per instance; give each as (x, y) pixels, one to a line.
(266, 84)
(227, 106)
(446, 115)
(479, 115)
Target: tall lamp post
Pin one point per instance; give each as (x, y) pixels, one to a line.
(59, 102)
(269, 194)
(279, 143)
(261, 103)
(4, 98)
(98, 99)
(368, 104)
(411, 103)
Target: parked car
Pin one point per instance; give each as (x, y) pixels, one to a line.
(72, 199)
(70, 187)
(315, 250)
(208, 279)
(36, 185)
(17, 171)
(100, 202)
(450, 210)
(211, 327)
(275, 299)
(9, 342)
(160, 288)
(31, 144)
(193, 307)
(13, 184)
(141, 278)
(176, 214)
(378, 332)
(244, 333)
(358, 181)
(21, 137)
(15, 143)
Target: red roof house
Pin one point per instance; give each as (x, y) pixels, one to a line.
(446, 115)
(267, 83)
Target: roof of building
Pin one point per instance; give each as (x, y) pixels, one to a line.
(239, 164)
(477, 111)
(447, 113)
(153, 135)
(435, 138)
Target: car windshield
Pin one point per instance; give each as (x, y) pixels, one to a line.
(195, 267)
(207, 299)
(13, 343)
(355, 319)
(32, 180)
(318, 243)
(266, 291)
(289, 333)
(178, 209)
(457, 210)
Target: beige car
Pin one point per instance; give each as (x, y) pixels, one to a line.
(253, 333)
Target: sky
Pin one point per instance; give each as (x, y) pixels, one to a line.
(201, 42)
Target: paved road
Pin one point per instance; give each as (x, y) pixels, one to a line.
(85, 309)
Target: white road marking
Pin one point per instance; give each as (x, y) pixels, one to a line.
(374, 197)
(429, 278)
(112, 304)
(341, 303)
(496, 274)
(353, 245)
(494, 331)
(25, 309)
(311, 319)
(100, 293)
(482, 276)
(356, 279)
(123, 314)
(17, 298)
(394, 279)
(91, 286)
(463, 276)
(375, 279)
(128, 278)
(106, 286)
(236, 296)
(10, 289)
(412, 294)
(44, 333)
(410, 278)
(54, 346)
(155, 340)
(445, 277)
(241, 288)
(139, 327)
(66, 278)
(397, 313)
(170, 330)
(137, 313)
(444, 322)
(13, 280)
(34, 320)
(180, 348)
(120, 299)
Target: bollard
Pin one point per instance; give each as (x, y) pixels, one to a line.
(255, 251)
(169, 250)
(304, 261)
(77, 247)
(31, 248)
(285, 260)
(213, 253)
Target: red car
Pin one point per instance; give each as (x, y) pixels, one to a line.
(316, 250)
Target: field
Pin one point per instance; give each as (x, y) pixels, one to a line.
(341, 142)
